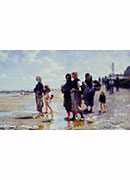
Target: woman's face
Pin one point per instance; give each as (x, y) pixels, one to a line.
(88, 77)
(68, 77)
(74, 76)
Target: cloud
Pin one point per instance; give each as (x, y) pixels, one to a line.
(21, 67)
(3, 76)
(3, 56)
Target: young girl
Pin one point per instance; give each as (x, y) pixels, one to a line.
(102, 101)
(47, 99)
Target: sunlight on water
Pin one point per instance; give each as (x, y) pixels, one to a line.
(117, 117)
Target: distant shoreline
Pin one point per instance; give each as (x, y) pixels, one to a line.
(19, 91)
(15, 91)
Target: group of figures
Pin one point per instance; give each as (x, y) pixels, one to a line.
(78, 96)
(43, 96)
(110, 83)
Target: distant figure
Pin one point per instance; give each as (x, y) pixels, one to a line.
(117, 83)
(47, 99)
(103, 80)
(111, 86)
(107, 85)
(66, 90)
(102, 101)
(39, 92)
(99, 79)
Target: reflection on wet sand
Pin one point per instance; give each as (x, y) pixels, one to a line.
(18, 111)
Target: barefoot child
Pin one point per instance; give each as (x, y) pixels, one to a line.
(102, 101)
(47, 99)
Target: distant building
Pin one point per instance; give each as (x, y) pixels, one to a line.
(121, 76)
(113, 68)
(124, 77)
(127, 72)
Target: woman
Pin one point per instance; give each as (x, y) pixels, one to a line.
(76, 95)
(39, 92)
(90, 87)
(88, 96)
(66, 90)
(87, 82)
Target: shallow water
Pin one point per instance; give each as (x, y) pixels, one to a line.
(117, 117)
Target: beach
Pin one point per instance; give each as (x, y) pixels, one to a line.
(18, 112)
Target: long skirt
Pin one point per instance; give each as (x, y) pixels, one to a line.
(76, 101)
(39, 103)
(68, 104)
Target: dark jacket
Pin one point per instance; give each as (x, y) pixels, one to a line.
(39, 89)
(88, 95)
(66, 89)
(75, 84)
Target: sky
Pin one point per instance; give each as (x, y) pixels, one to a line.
(19, 68)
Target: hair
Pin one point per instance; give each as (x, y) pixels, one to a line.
(88, 79)
(38, 78)
(68, 76)
(75, 74)
(103, 93)
(47, 89)
(87, 75)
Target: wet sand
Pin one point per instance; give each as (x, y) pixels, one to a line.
(14, 108)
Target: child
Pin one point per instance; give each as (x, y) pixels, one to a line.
(102, 101)
(47, 99)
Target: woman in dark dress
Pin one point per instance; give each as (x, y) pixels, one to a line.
(89, 88)
(66, 90)
(39, 92)
(88, 96)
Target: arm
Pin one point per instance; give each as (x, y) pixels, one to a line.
(51, 95)
(79, 85)
(35, 89)
(62, 89)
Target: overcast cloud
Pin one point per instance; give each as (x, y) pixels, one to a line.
(19, 68)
